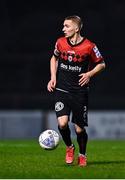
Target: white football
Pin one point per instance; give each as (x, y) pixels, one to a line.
(49, 139)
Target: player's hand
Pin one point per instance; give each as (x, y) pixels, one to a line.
(51, 85)
(84, 78)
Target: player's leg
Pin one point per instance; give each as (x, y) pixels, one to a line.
(64, 129)
(80, 119)
(66, 136)
(62, 112)
(82, 139)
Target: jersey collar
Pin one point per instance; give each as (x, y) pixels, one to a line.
(68, 41)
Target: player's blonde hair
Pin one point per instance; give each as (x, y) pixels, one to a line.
(76, 19)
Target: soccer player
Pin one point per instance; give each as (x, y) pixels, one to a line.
(74, 62)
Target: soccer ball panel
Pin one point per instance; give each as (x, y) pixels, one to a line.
(49, 139)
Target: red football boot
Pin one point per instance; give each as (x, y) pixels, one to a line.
(82, 160)
(70, 154)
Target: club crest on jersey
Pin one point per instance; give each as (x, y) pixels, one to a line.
(70, 58)
(59, 106)
(70, 55)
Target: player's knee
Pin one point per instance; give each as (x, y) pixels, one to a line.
(79, 129)
(63, 122)
(62, 125)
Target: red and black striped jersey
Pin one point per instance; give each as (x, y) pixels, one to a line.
(74, 60)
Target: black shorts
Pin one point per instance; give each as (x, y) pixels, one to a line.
(77, 103)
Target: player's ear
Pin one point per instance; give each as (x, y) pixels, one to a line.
(77, 29)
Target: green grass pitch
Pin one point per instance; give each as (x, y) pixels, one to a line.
(25, 159)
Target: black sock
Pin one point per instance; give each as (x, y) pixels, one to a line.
(82, 139)
(65, 133)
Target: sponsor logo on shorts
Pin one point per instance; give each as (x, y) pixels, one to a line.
(59, 106)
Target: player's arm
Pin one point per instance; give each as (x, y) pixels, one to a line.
(97, 69)
(53, 69)
(85, 77)
(97, 59)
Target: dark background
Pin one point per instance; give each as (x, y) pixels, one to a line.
(28, 32)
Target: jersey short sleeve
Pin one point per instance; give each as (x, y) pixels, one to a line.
(56, 50)
(95, 54)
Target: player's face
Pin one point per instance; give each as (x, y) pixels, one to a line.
(69, 28)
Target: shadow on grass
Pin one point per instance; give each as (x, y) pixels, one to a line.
(105, 162)
(92, 163)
